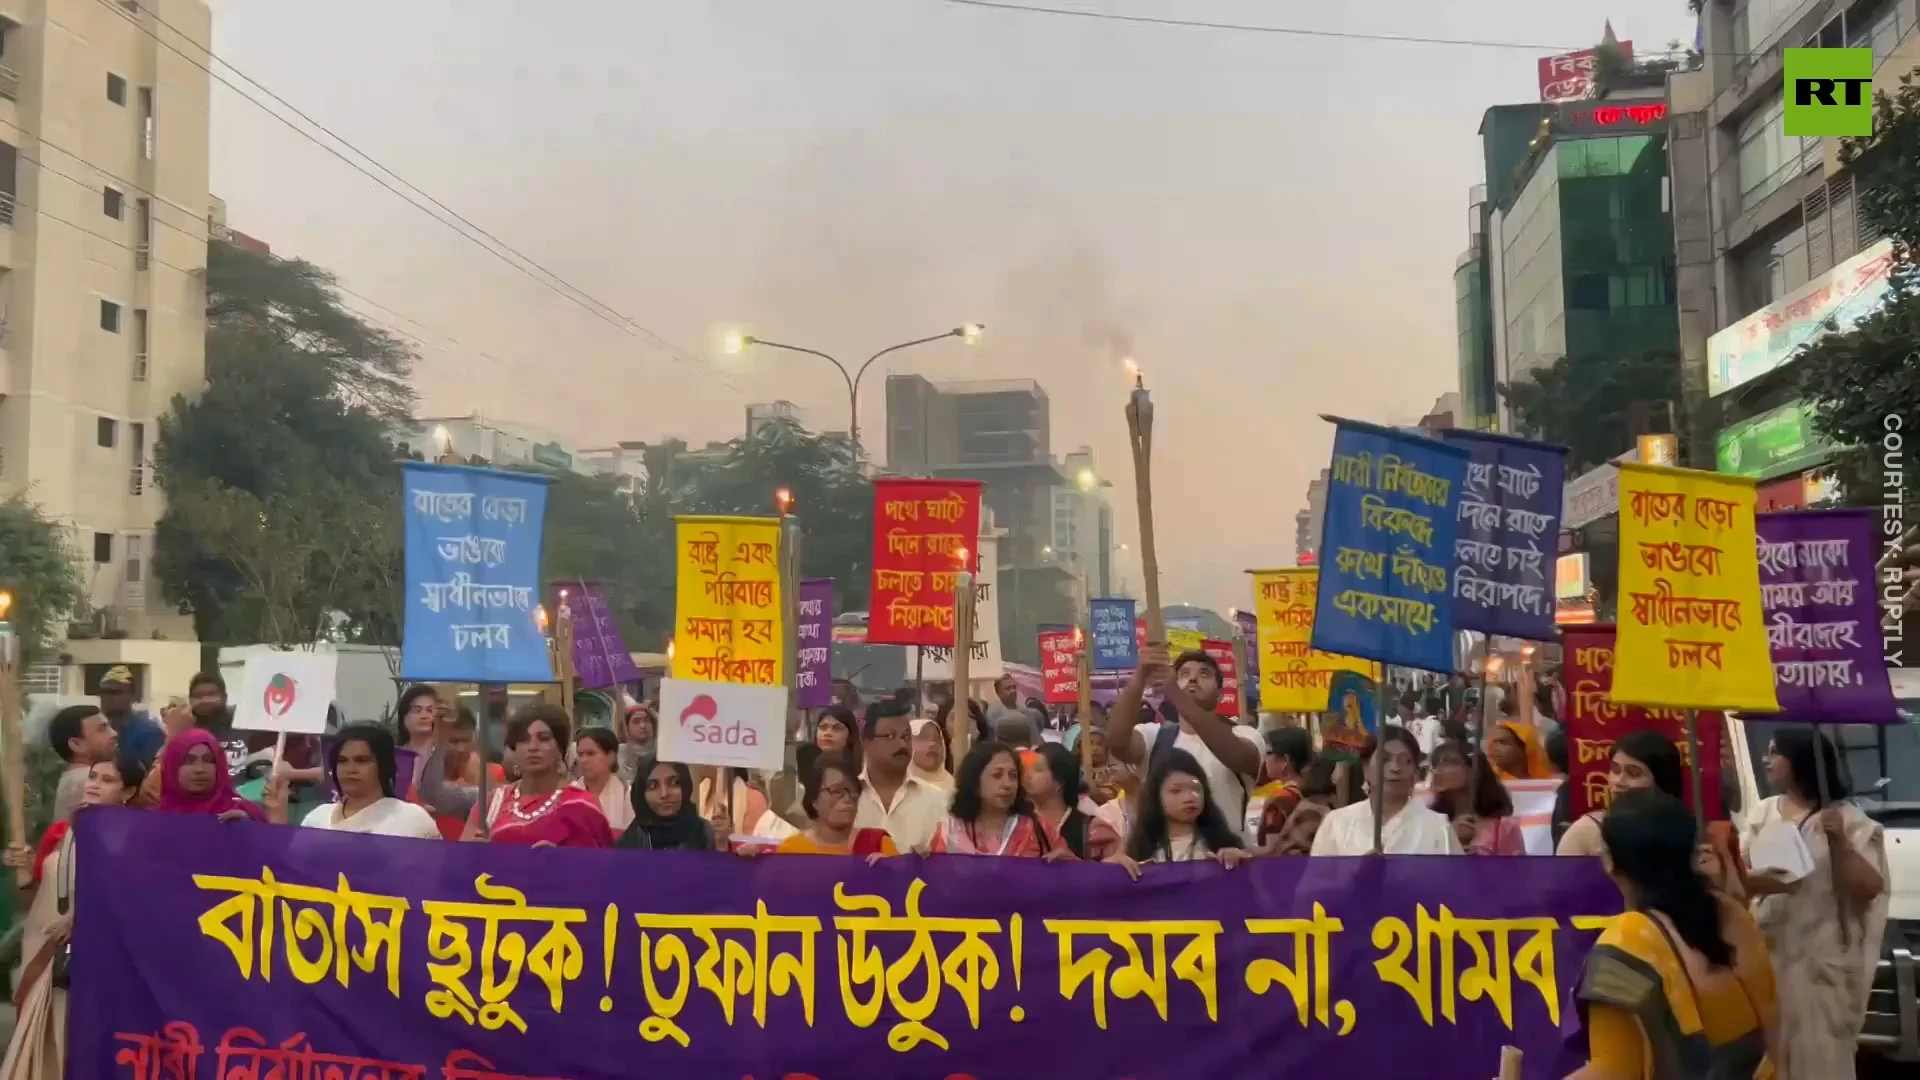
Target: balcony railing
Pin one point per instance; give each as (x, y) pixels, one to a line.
(137, 482)
(146, 138)
(142, 255)
(9, 83)
(140, 366)
(6, 208)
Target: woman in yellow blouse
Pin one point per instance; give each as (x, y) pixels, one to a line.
(1681, 986)
(831, 799)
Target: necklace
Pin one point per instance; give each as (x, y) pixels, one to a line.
(523, 816)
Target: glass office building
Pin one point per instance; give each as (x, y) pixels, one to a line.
(1586, 254)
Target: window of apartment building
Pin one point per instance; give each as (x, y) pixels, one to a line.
(1770, 269)
(137, 440)
(1767, 157)
(103, 547)
(113, 204)
(136, 551)
(116, 89)
(106, 431)
(109, 316)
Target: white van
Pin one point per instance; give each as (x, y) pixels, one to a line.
(1883, 762)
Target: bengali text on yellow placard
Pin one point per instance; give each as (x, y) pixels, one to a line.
(1690, 634)
(1295, 677)
(730, 617)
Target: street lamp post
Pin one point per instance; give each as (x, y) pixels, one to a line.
(969, 333)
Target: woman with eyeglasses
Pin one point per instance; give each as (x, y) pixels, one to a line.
(831, 799)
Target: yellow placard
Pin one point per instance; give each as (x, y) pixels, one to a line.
(1690, 633)
(1294, 676)
(1180, 641)
(730, 619)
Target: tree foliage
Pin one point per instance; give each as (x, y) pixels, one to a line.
(37, 568)
(280, 477)
(1587, 404)
(1857, 378)
(282, 483)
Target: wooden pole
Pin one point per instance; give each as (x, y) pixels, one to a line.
(960, 712)
(1083, 705)
(563, 658)
(1480, 748)
(1140, 437)
(13, 767)
(1510, 1063)
(1377, 781)
(1245, 693)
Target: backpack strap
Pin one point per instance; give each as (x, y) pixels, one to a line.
(1164, 737)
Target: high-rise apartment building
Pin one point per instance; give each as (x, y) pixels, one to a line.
(1770, 238)
(1307, 522)
(996, 431)
(103, 250)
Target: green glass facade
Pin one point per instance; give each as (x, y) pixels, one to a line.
(1587, 255)
(1474, 318)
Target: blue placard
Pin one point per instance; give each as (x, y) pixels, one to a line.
(1507, 535)
(1114, 648)
(1386, 562)
(473, 575)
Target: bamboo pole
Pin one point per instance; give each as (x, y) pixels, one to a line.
(960, 712)
(1083, 670)
(1378, 782)
(563, 659)
(13, 767)
(1140, 438)
(1245, 691)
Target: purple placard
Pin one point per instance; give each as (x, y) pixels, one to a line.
(1507, 535)
(1249, 623)
(181, 976)
(1817, 596)
(813, 636)
(600, 656)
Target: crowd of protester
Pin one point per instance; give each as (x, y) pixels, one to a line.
(1717, 970)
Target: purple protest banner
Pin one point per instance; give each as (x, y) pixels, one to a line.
(1508, 534)
(600, 656)
(1817, 596)
(306, 950)
(1249, 624)
(813, 635)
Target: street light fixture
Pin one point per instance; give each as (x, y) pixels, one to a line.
(735, 343)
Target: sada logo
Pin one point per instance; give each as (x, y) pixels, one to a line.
(281, 694)
(702, 720)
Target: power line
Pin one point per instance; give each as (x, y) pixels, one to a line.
(1254, 28)
(493, 245)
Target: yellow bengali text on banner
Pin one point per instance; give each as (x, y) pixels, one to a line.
(729, 615)
(1183, 641)
(1690, 632)
(1295, 677)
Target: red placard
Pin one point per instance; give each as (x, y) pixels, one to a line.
(1222, 653)
(1059, 669)
(1594, 721)
(920, 527)
(1139, 635)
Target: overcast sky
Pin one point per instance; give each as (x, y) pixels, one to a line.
(1268, 222)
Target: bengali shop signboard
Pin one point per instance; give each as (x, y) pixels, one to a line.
(1595, 721)
(257, 950)
(1771, 336)
(1569, 76)
(923, 537)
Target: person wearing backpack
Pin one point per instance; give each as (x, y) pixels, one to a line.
(1228, 753)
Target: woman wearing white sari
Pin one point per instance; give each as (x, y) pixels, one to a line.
(1824, 929)
(38, 1050)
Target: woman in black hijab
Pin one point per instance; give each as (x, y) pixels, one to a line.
(664, 815)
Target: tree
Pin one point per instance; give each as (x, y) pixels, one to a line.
(1587, 405)
(40, 572)
(280, 477)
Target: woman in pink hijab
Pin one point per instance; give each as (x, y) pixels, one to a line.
(194, 780)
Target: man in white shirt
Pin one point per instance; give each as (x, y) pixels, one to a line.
(1411, 828)
(1426, 729)
(891, 797)
(1228, 753)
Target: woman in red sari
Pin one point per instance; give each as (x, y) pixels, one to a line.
(541, 809)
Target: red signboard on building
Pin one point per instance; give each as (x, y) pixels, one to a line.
(1569, 76)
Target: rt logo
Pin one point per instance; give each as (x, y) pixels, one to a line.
(1829, 92)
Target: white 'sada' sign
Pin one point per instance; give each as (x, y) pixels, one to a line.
(731, 724)
(286, 692)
